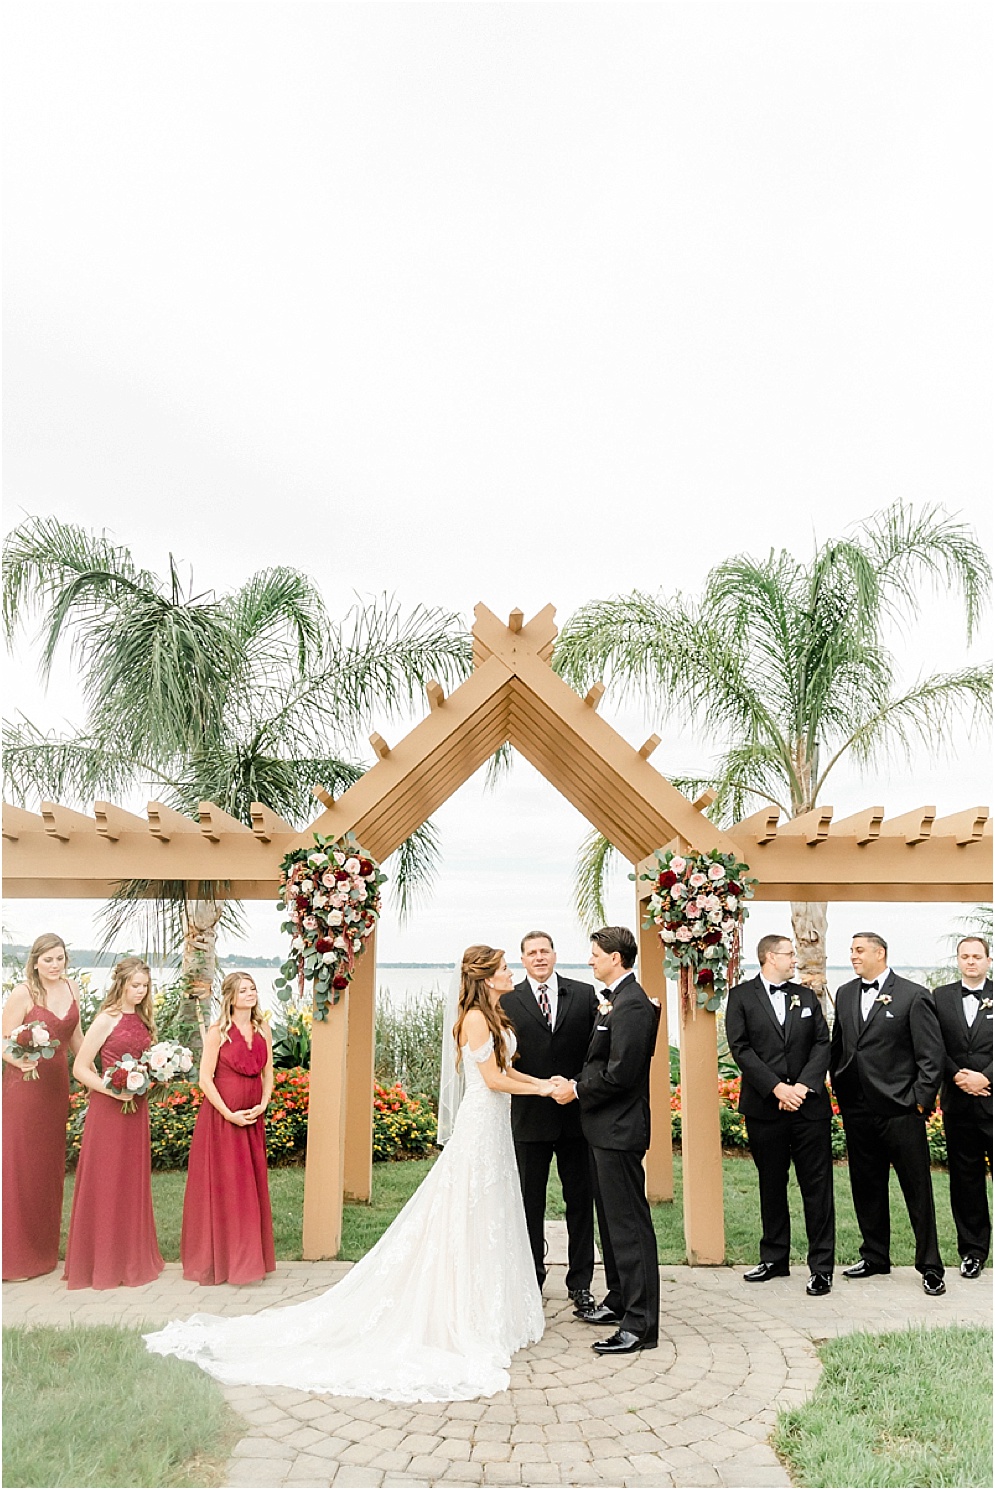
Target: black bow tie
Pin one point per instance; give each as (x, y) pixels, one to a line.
(866, 987)
(971, 993)
(777, 987)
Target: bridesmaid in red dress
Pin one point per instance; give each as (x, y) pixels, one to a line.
(112, 1238)
(35, 1113)
(227, 1232)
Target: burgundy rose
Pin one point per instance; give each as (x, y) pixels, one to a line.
(341, 874)
(712, 937)
(25, 1038)
(119, 1079)
(365, 867)
(340, 982)
(733, 888)
(323, 944)
(706, 975)
(303, 904)
(667, 878)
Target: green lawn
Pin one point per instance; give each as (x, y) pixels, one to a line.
(910, 1408)
(394, 1183)
(93, 1407)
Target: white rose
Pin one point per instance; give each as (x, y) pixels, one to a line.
(678, 865)
(731, 903)
(339, 859)
(306, 886)
(351, 866)
(135, 1081)
(298, 944)
(39, 1036)
(186, 1061)
(339, 942)
(334, 918)
(668, 936)
(715, 917)
(319, 901)
(716, 872)
(328, 957)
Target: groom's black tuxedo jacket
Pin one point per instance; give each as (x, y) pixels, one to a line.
(546, 1052)
(613, 1089)
(767, 1052)
(892, 1061)
(966, 1047)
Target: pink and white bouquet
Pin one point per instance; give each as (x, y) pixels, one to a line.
(331, 897)
(698, 905)
(166, 1060)
(31, 1042)
(130, 1074)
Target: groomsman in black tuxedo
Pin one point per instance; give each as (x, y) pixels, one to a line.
(964, 1010)
(886, 1064)
(779, 1038)
(613, 1090)
(553, 1019)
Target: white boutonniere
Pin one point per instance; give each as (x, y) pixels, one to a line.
(796, 1001)
(986, 1003)
(883, 998)
(604, 1007)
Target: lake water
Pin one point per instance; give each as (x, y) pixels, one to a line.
(398, 984)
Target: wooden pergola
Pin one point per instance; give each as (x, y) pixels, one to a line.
(513, 696)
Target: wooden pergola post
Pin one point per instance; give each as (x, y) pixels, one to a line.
(324, 1173)
(358, 1173)
(660, 1157)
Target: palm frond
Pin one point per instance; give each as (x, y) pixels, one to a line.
(154, 914)
(414, 866)
(499, 766)
(72, 769)
(594, 858)
(43, 557)
(905, 544)
(270, 607)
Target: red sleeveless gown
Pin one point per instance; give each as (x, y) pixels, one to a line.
(112, 1240)
(227, 1232)
(34, 1154)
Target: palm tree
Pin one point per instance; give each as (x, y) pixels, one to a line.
(784, 663)
(253, 696)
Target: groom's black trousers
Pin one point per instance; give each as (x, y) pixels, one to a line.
(574, 1168)
(628, 1241)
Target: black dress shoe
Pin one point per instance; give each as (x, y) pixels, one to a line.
(971, 1267)
(600, 1314)
(933, 1284)
(767, 1270)
(864, 1269)
(623, 1342)
(582, 1299)
(819, 1284)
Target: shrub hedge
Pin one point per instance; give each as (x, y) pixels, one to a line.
(732, 1125)
(403, 1127)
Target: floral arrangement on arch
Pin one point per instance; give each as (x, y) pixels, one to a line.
(331, 896)
(698, 905)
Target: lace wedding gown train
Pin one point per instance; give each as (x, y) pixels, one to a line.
(433, 1313)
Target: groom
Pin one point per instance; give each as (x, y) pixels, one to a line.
(613, 1092)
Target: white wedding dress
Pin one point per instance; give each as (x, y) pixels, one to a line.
(433, 1313)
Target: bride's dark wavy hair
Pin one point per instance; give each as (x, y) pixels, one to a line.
(479, 964)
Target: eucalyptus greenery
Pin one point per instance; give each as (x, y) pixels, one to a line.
(783, 665)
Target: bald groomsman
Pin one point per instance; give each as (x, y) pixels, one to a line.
(886, 1064)
(964, 1010)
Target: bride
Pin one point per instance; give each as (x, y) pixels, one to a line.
(435, 1311)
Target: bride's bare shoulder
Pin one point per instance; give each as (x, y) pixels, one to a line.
(474, 1031)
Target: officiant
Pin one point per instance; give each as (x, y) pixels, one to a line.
(553, 1018)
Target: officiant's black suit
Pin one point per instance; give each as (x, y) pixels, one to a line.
(768, 1053)
(885, 1072)
(542, 1128)
(967, 1120)
(613, 1091)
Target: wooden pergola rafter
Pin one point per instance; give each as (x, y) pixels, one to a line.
(512, 697)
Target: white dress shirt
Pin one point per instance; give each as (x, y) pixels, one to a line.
(552, 993)
(868, 999)
(972, 1004)
(776, 996)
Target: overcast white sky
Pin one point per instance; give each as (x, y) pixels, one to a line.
(505, 302)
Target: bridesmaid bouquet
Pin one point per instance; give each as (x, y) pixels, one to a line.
(166, 1060)
(130, 1074)
(31, 1042)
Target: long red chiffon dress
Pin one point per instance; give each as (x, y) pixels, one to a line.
(227, 1232)
(112, 1240)
(34, 1153)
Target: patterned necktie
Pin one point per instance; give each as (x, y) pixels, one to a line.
(542, 994)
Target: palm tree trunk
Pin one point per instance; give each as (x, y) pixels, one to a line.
(808, 923)
(199, 962)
